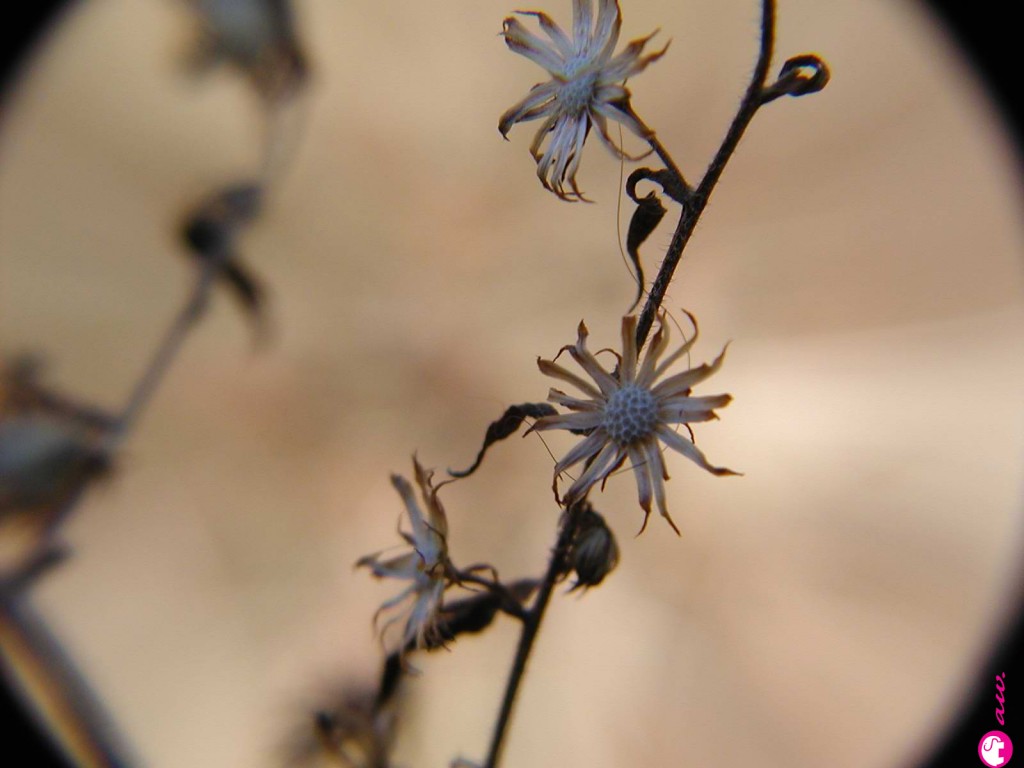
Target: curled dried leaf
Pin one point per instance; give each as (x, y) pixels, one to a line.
(799, 76)
(646, 218)
(507, 425)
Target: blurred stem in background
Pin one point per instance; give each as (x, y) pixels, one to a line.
(52, 448)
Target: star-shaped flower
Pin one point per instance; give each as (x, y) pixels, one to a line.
(627, 414)
(585, 88)
(427, 566)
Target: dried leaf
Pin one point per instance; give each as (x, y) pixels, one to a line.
(646, 218)
(506, 426)
(799, 76)
(474, 614)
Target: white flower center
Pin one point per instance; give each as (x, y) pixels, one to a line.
(577, 92)
(630, 414)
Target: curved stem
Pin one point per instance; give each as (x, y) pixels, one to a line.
(167, 352)
(531, 626)
(696, 203)
(666, 158)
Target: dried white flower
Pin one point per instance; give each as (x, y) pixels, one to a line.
(585, 88)
(427, 566)
(627, 414)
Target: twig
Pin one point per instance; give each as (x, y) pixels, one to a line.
(167, 352)
(698, 200)
(670, 164)
(531, 626)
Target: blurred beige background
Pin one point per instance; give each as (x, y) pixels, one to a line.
(862, 252)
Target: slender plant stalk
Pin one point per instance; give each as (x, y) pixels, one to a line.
(698, 200)
(691, 213)
(531, 626)
(666, 158)
(38, 662)
(167, 352)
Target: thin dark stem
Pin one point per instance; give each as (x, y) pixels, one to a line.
(167, 352)
(696, 203)
(666, 158)
(531, 626)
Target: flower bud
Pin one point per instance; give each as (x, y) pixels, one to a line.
(594, 553)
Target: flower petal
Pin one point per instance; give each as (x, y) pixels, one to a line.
(642, 473)
(602, 465)
(688, 343)
(598, 119)
(574, 403)
(542, 132)
(520, 40)
(686, 410)
(584, 449)
(611, 93)
(538, 103)
(422, 622)
(412, 507)
(629, 62)
(589, 363)
(401, 567)
(558, 37)
(658, 345)
(437, 520)
(582, 24)
(582, 129)
(617, 113)
(568, 421)
(550, 368)
(659, 475)
(551, 169)
(606, 35)
(679, 443)
(682, 383)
